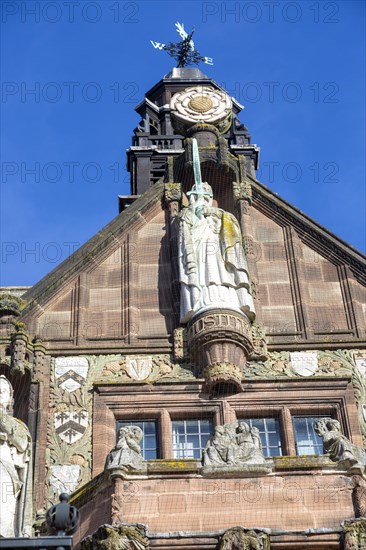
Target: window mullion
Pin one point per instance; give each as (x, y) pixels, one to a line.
(166, 435)
(288, 437)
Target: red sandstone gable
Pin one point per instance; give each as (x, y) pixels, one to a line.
(120, 288)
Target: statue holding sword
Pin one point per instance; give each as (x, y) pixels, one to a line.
(213, 269)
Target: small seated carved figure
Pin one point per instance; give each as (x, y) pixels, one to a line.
(233, 445)
(339, 448)
(220, 449)
(127, 452)
(249, 444)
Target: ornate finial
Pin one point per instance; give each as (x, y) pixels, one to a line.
(183, 51)
(62, 517)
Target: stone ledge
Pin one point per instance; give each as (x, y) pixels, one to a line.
(303, 462)
(169, 466)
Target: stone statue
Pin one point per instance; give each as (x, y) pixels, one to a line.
(213, 270)
(127, 453)
(15, 471)
(239, 538)
(339, 448)
(119, 537)
(233, 446)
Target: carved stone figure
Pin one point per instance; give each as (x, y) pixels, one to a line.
(339, 448)
(233, 446)
(120, 537)
(238, 538)
(212, 264)
(15, 471)
(359, 496)
(354, 534)
(213, 269)
(127, 453)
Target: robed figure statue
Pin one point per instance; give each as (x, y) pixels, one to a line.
(15, 474)
(213, 269)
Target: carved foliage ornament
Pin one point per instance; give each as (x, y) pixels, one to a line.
(238, 538)
(149, 368)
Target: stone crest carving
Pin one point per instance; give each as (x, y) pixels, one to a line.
(71, 372)
(340, 449)
(139, 368)
(304, 363)
(120, 537)
(235, 447)
(71, 425)
(64, 478)
(136, 367)
(239, 538)
(126, 455)
(360, 360)
(15, 469)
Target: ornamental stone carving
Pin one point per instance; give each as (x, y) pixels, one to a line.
(359, 496)
(172, 192)
(242, 191)
(220, 342)
(201, 104)
(126, 455)
(340, 449)
(239, 538)
(121, 537)
(235, 447)
(15, 469)
(354, 534)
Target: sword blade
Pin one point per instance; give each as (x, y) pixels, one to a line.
(197, 167)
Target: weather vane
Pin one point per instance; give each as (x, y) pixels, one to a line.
(183, 51)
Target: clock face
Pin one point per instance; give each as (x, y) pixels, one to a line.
(201, 104)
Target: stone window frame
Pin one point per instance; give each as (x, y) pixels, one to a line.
(167, 401)
(285, 415)
(164, 419)
(111, 406)
(130, 422)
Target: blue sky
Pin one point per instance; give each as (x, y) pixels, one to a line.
(297, 67)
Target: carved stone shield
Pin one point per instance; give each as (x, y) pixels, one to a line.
(71, 372)
(139, 368)
(360, 360)
(71, 425)
(64, 478)
(304, 363)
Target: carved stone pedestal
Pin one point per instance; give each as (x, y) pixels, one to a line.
(220, 342)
